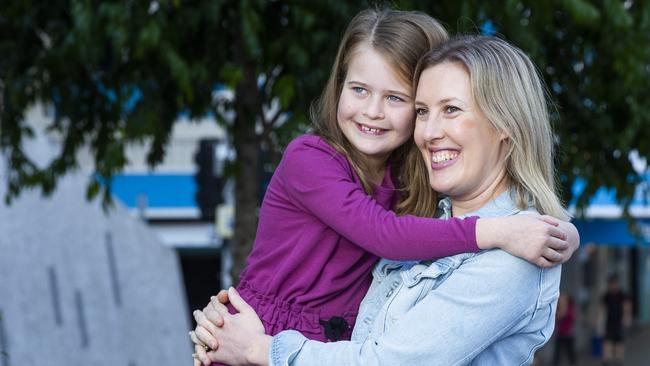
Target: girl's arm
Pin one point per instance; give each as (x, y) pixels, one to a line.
(319, 180)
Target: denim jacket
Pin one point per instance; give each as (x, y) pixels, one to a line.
(486, 308)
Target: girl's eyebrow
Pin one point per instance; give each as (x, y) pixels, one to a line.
(396, 92)
(357, 82)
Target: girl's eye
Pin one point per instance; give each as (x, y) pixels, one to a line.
(421, 112)
(359, 90)
(451, 109)
(394, 98)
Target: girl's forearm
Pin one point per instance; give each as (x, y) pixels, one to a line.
(489, 233)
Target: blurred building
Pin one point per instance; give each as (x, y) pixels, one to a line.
(79, 285)
(610, 245)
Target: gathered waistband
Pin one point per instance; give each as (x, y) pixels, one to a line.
(280, 314)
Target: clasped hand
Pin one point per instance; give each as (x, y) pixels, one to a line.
(235, 339)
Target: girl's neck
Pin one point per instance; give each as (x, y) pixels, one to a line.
(377, 169)
(463, 205)
(376, 175)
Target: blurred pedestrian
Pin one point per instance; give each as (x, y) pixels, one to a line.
(565, 317)
(617, 310)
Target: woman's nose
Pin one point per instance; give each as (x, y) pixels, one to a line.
(431, 129)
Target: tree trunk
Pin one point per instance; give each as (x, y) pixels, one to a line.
(246, 144)
(246, 187)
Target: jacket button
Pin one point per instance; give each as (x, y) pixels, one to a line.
(389, 293)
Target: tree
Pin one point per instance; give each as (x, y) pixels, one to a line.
(119, 72)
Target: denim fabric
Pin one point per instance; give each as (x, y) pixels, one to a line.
(486, 308)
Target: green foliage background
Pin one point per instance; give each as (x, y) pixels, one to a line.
(119, 72)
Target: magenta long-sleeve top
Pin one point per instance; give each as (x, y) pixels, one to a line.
(320, 235)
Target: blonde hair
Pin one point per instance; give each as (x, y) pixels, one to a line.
(509, 91)
(401, 37)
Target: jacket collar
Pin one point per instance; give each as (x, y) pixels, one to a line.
(502, 205)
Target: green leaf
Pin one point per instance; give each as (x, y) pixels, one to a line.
(93, 189)
(284, 89)
(621, 18)
(250, 27)
(179, 70)
(231, 75)
(582, 12)
(149, 36)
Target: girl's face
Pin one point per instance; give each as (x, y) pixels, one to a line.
(375, 110)
(462, 150)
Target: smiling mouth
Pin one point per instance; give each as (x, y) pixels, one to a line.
(439, 157)
(368, 130)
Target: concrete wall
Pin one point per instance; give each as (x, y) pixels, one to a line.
(82, 287)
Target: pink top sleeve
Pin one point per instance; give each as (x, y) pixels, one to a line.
(320, 180)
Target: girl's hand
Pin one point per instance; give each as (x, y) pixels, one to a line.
(541, 240)
(573, 239)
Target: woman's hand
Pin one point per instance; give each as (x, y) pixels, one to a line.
(202, 336)
(539, 239)
(241, 338)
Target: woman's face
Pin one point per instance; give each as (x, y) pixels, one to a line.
(464, 154)
(375, 109)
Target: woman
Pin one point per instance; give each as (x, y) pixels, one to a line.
(485, 141)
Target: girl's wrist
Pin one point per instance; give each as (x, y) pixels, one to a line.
(487, 233)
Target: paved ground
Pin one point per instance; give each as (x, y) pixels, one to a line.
(637, 347)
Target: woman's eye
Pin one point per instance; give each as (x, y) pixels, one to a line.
(421, 112)
(451, 109)
(394, 98)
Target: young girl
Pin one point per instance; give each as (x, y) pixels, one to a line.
(326, 217)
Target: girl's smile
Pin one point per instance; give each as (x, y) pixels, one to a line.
(375, 108)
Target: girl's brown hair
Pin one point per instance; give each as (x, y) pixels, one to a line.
(402, 37)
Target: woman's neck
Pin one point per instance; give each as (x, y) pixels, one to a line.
(463, 205)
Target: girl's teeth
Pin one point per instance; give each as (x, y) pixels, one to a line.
(368, 129)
